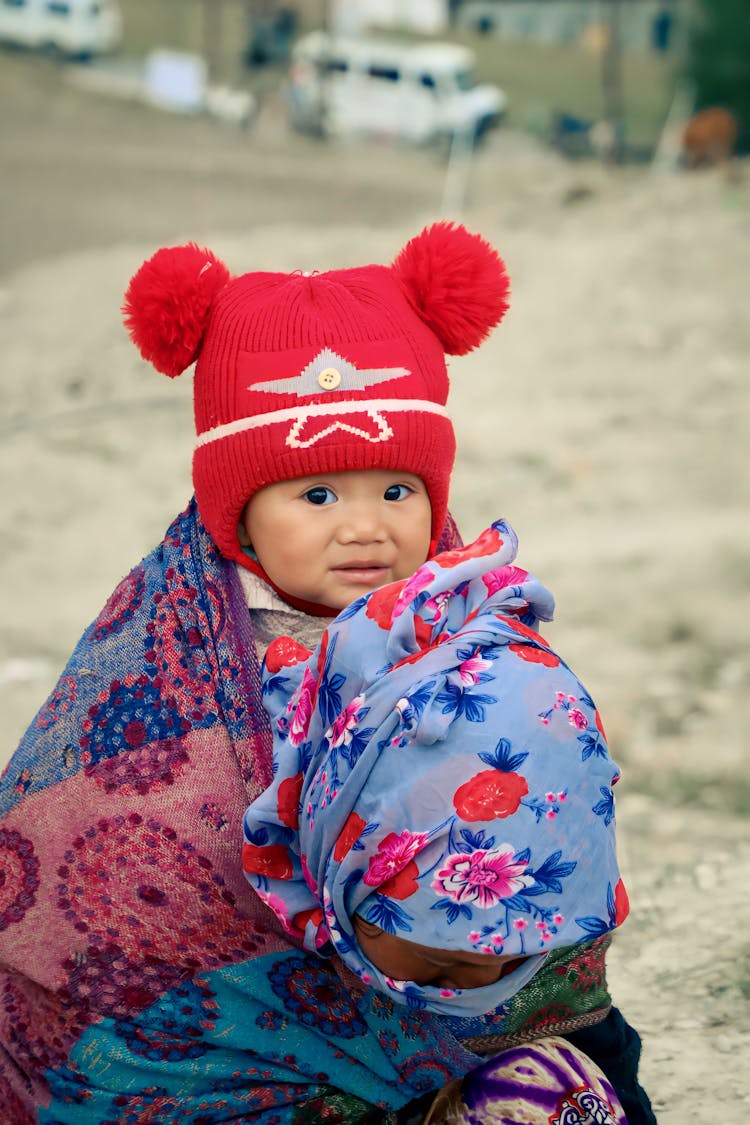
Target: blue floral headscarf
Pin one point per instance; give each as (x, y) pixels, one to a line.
(442, 773)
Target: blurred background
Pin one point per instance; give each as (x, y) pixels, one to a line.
(601, 146)
(613, 80)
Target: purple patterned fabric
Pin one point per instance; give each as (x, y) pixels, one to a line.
(545, 1083)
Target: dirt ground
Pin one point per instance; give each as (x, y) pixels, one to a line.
(607, 419)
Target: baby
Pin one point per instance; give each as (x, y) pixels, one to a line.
(299, 377)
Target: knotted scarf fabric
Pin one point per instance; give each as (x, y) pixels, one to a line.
(441, 772)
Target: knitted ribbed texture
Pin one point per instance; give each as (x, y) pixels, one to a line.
(266, 329)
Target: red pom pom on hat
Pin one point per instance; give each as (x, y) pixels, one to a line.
(168, 302)
(457, 283)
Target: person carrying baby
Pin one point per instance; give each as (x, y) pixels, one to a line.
(141, 976)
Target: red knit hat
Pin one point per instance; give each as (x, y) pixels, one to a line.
(301, 374)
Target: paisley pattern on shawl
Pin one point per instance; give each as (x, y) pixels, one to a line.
(141, 979)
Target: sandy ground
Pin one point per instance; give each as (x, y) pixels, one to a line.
(607, 419)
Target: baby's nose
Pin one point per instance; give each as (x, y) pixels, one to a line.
(470, 976)
(362, 524)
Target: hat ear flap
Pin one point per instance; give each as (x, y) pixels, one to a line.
(457, 283)
(168, 302)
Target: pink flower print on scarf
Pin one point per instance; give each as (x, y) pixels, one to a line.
(504, 576)
(470, 672)
(345, 723)
(411, 588)
(303, 707)
(393, 855)
(577, 719)
(482, 878)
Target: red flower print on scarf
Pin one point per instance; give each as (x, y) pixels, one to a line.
(348, 836)
(490, 794)
(300, 920)
(322, 652)
(600, 725)
(381, 606)
(488, 543)
(288, 800)
(393, 855)
(381, 602)
(622, 903)
(403, 885)
(536, 655)
(271, 860)
(482, 878)
(284, 652)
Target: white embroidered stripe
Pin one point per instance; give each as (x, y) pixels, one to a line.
(314, 410)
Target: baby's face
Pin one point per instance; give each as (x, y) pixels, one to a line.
(333, 537)
(400, 959)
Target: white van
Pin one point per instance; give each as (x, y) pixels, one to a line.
(74, 28)
(417, 92)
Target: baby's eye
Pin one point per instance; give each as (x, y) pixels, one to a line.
(320, 495)
(397, 492)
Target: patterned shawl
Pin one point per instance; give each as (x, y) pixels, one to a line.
(141, 978)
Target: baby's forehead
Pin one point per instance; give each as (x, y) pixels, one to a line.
(414, 946)
(344, 475)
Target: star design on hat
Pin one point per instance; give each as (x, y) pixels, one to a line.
(308, 430)
(347, 377)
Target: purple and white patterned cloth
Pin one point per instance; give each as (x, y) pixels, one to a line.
(549, 1082)
(441, 772)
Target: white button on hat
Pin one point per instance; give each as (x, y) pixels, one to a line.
(329, 378)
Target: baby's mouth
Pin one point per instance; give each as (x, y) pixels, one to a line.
(364, 571)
